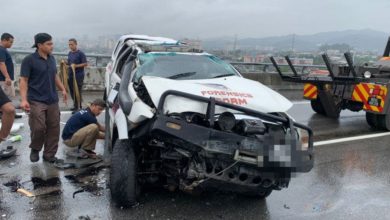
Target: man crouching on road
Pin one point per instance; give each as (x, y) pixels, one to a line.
(82, 129)
(38, 81)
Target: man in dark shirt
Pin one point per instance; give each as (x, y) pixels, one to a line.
(78, 61)
(82, 129)
(6, 65)
(7, 119)
(38, 81)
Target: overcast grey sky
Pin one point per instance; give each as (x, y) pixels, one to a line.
(192, 18)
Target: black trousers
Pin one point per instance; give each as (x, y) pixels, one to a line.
(80, 83)
(3, 98)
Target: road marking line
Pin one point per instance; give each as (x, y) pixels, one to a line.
(62, 112)
(24, 113)
(348, 139)
(301, 102)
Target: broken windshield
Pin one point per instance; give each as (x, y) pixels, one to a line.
(173, 65)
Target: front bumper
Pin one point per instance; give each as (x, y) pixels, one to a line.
(271, 152)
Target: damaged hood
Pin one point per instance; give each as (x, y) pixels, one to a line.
(233, 89)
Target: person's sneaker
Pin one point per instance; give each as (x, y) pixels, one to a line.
(90, 152)
(77, 153)
(51, 159)
(34, 155)
(73, 109)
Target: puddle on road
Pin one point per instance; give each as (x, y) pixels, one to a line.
(45, 188)
(13, 185)
(40, 183)
(92, 180)
(42, 188)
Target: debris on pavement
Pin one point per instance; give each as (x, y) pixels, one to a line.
(25, 192)
(89, 179)
(13, 184)
(7, 153)
(13, 139)
(42, 188)
(84, 217)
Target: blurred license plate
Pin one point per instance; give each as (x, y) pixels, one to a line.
(374, 101)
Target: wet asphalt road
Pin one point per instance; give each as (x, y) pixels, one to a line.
(349, 181)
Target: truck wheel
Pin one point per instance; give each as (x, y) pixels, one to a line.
(372, 120)
(123, 174)
(384, 122)
(316, 105)
(260, 194)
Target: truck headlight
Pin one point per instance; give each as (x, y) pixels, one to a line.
(367, 74)
(303, 139)
(226, 121)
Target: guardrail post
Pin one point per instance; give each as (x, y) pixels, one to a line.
(265, 68)
(303, 69)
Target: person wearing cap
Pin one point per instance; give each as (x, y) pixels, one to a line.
(39, 97)
(82, 130)
(78, 61)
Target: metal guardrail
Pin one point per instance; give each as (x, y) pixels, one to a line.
(269, 68)
(98, 61)
(93, 59)
(94, 73)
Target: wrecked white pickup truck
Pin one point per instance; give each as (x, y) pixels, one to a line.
(184, 119)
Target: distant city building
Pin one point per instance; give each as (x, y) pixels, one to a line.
(261, 58)
(303, 61)
(333, 52)
(248, 59)
(254, 59)
(109, 43)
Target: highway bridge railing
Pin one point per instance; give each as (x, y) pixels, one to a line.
(94, 79)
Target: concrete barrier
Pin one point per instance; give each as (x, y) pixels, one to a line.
(94, 81)
(292, 91)
(272, 80)
(261, 72)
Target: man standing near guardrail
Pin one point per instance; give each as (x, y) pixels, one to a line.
(77, 61)
(38, 81)
(6, 65)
